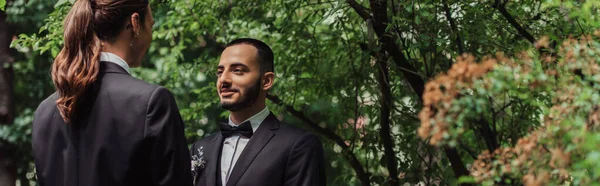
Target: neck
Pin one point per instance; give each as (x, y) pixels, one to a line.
(120, 49)
(239, 116)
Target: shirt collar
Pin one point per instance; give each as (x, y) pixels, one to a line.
(110, 57)
(255, 120)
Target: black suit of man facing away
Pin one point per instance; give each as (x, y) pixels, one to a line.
(102, 126)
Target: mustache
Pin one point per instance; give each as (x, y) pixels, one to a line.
(228, 88)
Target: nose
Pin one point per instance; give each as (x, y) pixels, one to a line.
(224, 79)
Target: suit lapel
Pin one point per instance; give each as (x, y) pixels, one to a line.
(214, 155)
(263, 135)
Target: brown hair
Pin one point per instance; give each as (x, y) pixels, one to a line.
(88, 23)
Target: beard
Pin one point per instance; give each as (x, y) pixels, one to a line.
(246, 100)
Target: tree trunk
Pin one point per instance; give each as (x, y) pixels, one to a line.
(8, 169)
(385, 133)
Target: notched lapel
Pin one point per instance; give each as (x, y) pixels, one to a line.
(212, 163)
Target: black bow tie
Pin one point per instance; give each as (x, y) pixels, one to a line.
(245, 129)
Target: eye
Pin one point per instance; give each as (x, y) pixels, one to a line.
(238, 71)
(219, 72)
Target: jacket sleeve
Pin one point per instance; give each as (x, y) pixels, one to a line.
(170, 157)
(305, 162)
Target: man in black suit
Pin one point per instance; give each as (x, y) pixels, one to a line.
(105, 145)
(103, 127)
(254, 148)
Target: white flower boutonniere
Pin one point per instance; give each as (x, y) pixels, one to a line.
(198, 162)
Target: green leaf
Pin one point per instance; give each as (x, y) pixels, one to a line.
(466, 179)
(54, 51)
(2, 4)
(61, 2)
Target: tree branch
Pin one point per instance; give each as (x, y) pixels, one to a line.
(361, 10)
(454, 28)
(380, 21)
(503, 107)
(7, 104)
(349, 155)
(8, 158)
(472, 153)
(502, 9)
(494, 122)
(457, 164)
(402, 64)
(487, 132)
(386, 104)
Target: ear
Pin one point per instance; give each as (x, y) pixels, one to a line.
(267, 81)
(135, 23)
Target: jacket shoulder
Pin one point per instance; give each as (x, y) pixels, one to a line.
(293, 132)
(126, 85)
(204, 142)
(47, 107)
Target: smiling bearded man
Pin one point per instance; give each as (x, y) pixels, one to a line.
(254, 147)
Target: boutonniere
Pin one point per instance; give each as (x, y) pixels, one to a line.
(198, 162)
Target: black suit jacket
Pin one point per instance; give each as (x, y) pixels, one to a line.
(277, 154)
(124, 132)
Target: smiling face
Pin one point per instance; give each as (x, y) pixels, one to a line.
(239, 78)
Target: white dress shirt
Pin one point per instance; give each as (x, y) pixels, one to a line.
(110, 57)
(232, 148)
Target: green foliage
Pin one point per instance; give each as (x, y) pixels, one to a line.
(540, 111)
(560, 151)
(18, 132)
(327, 63)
